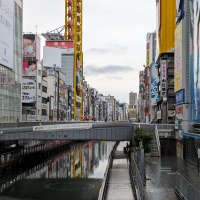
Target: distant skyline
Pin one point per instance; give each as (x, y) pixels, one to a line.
(114, 39)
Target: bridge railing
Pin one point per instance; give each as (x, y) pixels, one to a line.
(185, 190)
(103, 189)
(35, 123)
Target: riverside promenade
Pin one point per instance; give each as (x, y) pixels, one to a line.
(119, 184)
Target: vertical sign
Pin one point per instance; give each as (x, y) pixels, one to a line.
(178, 59)
(163, 76)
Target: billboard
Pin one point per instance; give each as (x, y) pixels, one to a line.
(28, 90)
(31, 46)
(141, 82)
(51, 57)
(194, 62)
(163, 76)
(67, 46)
(29, 68)
(178, 59)
(6, 33)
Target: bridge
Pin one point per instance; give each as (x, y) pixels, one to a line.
(107, 131)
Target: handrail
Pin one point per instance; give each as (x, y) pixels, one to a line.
(157, 139)
(184, 189)
(102, 191)
(137, 180)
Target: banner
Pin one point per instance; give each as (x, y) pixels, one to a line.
(178, 59)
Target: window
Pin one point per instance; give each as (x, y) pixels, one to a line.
(44, 112)
(44, 100)
(44, 89)
(39, 85)
(39, 72)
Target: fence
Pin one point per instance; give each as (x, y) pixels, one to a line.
(185, 190)
(102, 191)
(136, 179)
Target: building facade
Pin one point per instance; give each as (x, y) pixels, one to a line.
(11, 61)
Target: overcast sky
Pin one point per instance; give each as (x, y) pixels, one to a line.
(114, 39)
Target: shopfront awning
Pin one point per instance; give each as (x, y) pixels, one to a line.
(192, 135)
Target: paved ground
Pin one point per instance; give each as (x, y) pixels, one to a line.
(119, 185)
(161, 176)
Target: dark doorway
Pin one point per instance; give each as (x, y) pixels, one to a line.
(168, 146)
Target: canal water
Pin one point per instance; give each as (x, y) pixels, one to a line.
(72, 175)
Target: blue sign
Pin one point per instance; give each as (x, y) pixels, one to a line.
(180, 96)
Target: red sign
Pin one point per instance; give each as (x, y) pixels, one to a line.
(179, 109)
(61, 44)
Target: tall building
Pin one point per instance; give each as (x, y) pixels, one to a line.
(132, 99)
(10, 60)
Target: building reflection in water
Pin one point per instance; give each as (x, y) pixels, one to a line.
(86, 160)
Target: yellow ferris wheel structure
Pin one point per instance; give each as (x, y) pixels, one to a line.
(73, 31)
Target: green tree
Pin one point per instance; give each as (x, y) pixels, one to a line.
(141, 135)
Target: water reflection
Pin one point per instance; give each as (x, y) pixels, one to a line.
(79, 169)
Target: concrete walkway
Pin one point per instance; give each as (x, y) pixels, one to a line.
(161, 176)
(119, 184)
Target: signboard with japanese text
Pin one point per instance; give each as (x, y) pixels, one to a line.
(178, 59)
(163, 64)
(67, 46)
(28, 90)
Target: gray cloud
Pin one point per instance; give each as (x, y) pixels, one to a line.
(98, 50)
(114, 78)
(109, 69)
(111, 48)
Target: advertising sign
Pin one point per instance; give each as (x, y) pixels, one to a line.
(31, 117)
(141, 82)
(148, 61)
(180, 96)
(154, 84)
(6, 33)
(158, 114)
(194, 62)
(29, 68)
(171, 113)
(28, 90)
(163, 76)
(31, 46)
(68, 46)
(179, 112)
(178, 59)
(52, 57)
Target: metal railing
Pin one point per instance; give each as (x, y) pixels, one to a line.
(157, 139)
(103, 189)
(136, 179)
(185, 190)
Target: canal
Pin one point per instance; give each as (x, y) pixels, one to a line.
(75, 174)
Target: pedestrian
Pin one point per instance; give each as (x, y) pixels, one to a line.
(127, 146)
(17, 120)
